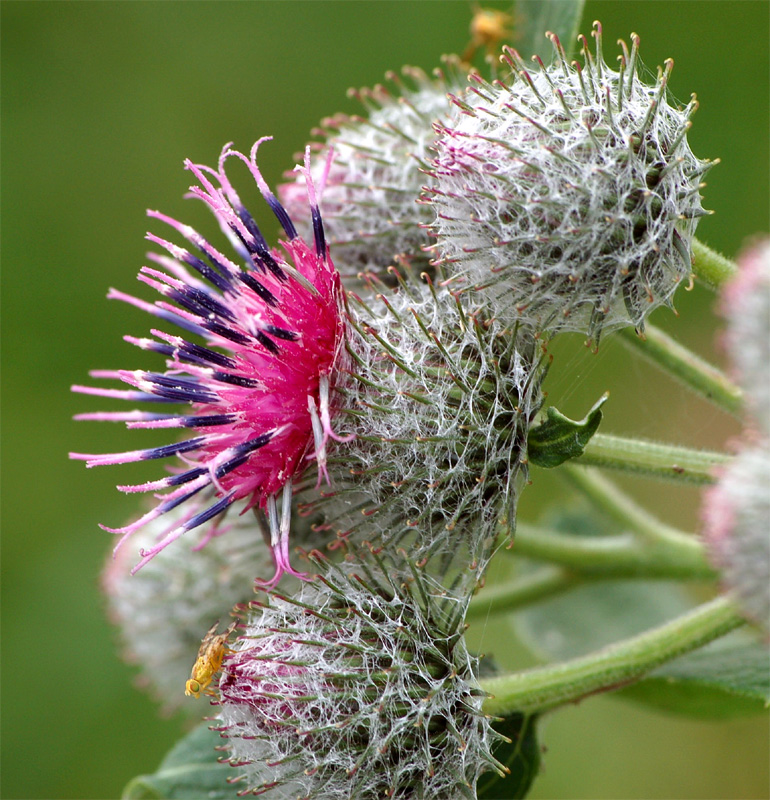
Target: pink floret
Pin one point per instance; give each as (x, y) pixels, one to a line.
(260, 353)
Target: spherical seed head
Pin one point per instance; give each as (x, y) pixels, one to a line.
(370, 191)
(736, 513)
(360, 686)
(568, 195)
(256, 362)
(745, 305)
(440, 399)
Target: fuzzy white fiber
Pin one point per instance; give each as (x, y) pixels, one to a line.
(369, 200)
(163, 611)
(736, 513)
(440, 399)
(357, 687)
(568, 195)
(745, 305)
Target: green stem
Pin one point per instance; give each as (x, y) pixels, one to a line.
(543, 688)
(520, 592)
(652, 551)
(609, 498)
(651, 459)
(622, 556)
(695, 373)
(711, 267)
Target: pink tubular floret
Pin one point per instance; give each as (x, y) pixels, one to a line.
(256, 364)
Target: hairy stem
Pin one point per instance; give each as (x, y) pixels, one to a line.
(543, 688)
(520, 592)
(695, 373)
(609, 498)
(621, 556)
(650, 550)
(651, 459)
(711, 267)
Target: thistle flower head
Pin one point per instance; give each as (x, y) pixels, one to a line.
(440, 400)
(735, 513)
(358, 687)
(568, 195)
(745, 304)
(370, 188)
(255, 364)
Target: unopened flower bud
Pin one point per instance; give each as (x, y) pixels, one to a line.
(568, 195)
(441, 401)
(736, 513)
(369, 195)
(358, 687)
(745, 304)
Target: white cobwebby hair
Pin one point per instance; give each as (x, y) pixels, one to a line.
(163, 610)
(358, 686)
(369, 196)
(568, 196)
(440, 399)
(735, 512)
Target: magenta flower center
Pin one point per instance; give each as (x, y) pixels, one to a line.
(256, 364)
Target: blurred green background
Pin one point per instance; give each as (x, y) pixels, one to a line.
(101, 102)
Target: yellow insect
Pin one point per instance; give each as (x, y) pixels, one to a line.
(211, 654)
(488, 28)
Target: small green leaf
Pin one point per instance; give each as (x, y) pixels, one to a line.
(728, 678)
(558, 438)
(189, 771)
(521, 755)
(535, 17)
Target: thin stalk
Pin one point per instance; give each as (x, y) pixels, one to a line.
(695, 373)
(621, 556)
(711, 267)
(544, 688)
(651, 459)
(614, 502)
(520, 592)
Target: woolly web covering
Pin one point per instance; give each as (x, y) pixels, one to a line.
(441, 400)
(736, 513)
(358, 687)
(569, 195)
(163, 611)
(369, 197)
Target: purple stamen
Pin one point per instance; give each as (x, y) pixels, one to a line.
(252, 396)
(106, 459)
